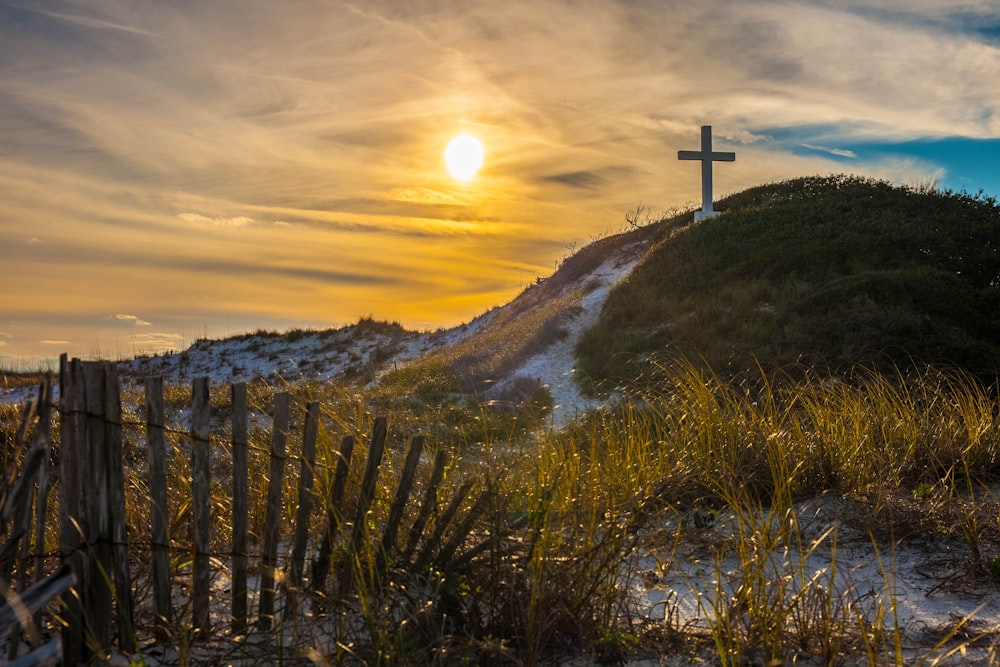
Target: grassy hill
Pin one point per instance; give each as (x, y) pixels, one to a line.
(830, 273)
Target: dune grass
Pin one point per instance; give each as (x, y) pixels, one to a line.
(553, 524)
(692, 445)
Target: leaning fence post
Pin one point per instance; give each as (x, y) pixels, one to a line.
(413, 452)
(375, 450)
(241, 495)
(428, 505)
(449, 512)
(331, 523)
(200, 510)
(272, 520)
(156, 443)
(42, 499)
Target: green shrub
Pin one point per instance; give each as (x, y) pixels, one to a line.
(830, 273)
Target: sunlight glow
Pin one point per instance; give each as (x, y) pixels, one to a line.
(464, 157)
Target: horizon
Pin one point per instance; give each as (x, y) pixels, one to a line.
(202, 170)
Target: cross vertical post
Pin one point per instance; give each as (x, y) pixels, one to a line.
(707, 157)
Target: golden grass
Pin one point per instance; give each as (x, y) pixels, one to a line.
(564, 513)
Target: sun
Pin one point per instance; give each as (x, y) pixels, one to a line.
(464, 157)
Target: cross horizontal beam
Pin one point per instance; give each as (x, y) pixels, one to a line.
(707, 156)
(716, 156)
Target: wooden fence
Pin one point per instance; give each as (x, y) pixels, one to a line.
(98, 614)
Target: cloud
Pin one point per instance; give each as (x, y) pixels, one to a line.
(47, 341)
(90, 22)
(131, 319)
(197, 219)
(744, 137)
(839, 152)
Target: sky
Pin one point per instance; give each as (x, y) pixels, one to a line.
(204, 168)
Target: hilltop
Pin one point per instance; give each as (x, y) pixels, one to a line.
(829, 273)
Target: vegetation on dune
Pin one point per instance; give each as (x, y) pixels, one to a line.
(830, 273)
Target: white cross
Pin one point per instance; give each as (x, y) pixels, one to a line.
(707, 157)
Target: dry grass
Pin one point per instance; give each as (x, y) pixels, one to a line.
(546, 529)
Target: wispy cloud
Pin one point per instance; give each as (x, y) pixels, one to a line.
(197, 219)
(839, 152)
(90, 22)
(130, 319)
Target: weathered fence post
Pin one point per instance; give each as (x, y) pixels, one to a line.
(117, 533)
(99, 519)
(200, 508)
(376, 447)
(333, 516)
(241, 496)
(272, 519)
(93, 535)
(428, 504)
(156, 444)
(42, 498)
(309, 436)
(72, 508)
(413, 452)
(427, 552)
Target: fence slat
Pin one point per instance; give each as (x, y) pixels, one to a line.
(200, 508)
(427, 553)
(156, 444)
(38, 595)
(118, 530)
(376, 447)
(272, 518)
(305, 497)
(334, 515)
(42, 498)
(428, 504)
(45, 655)
(97, 488)
(413, 451)
(241, 504)
(463, 530)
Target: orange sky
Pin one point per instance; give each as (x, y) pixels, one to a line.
(183, 169)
